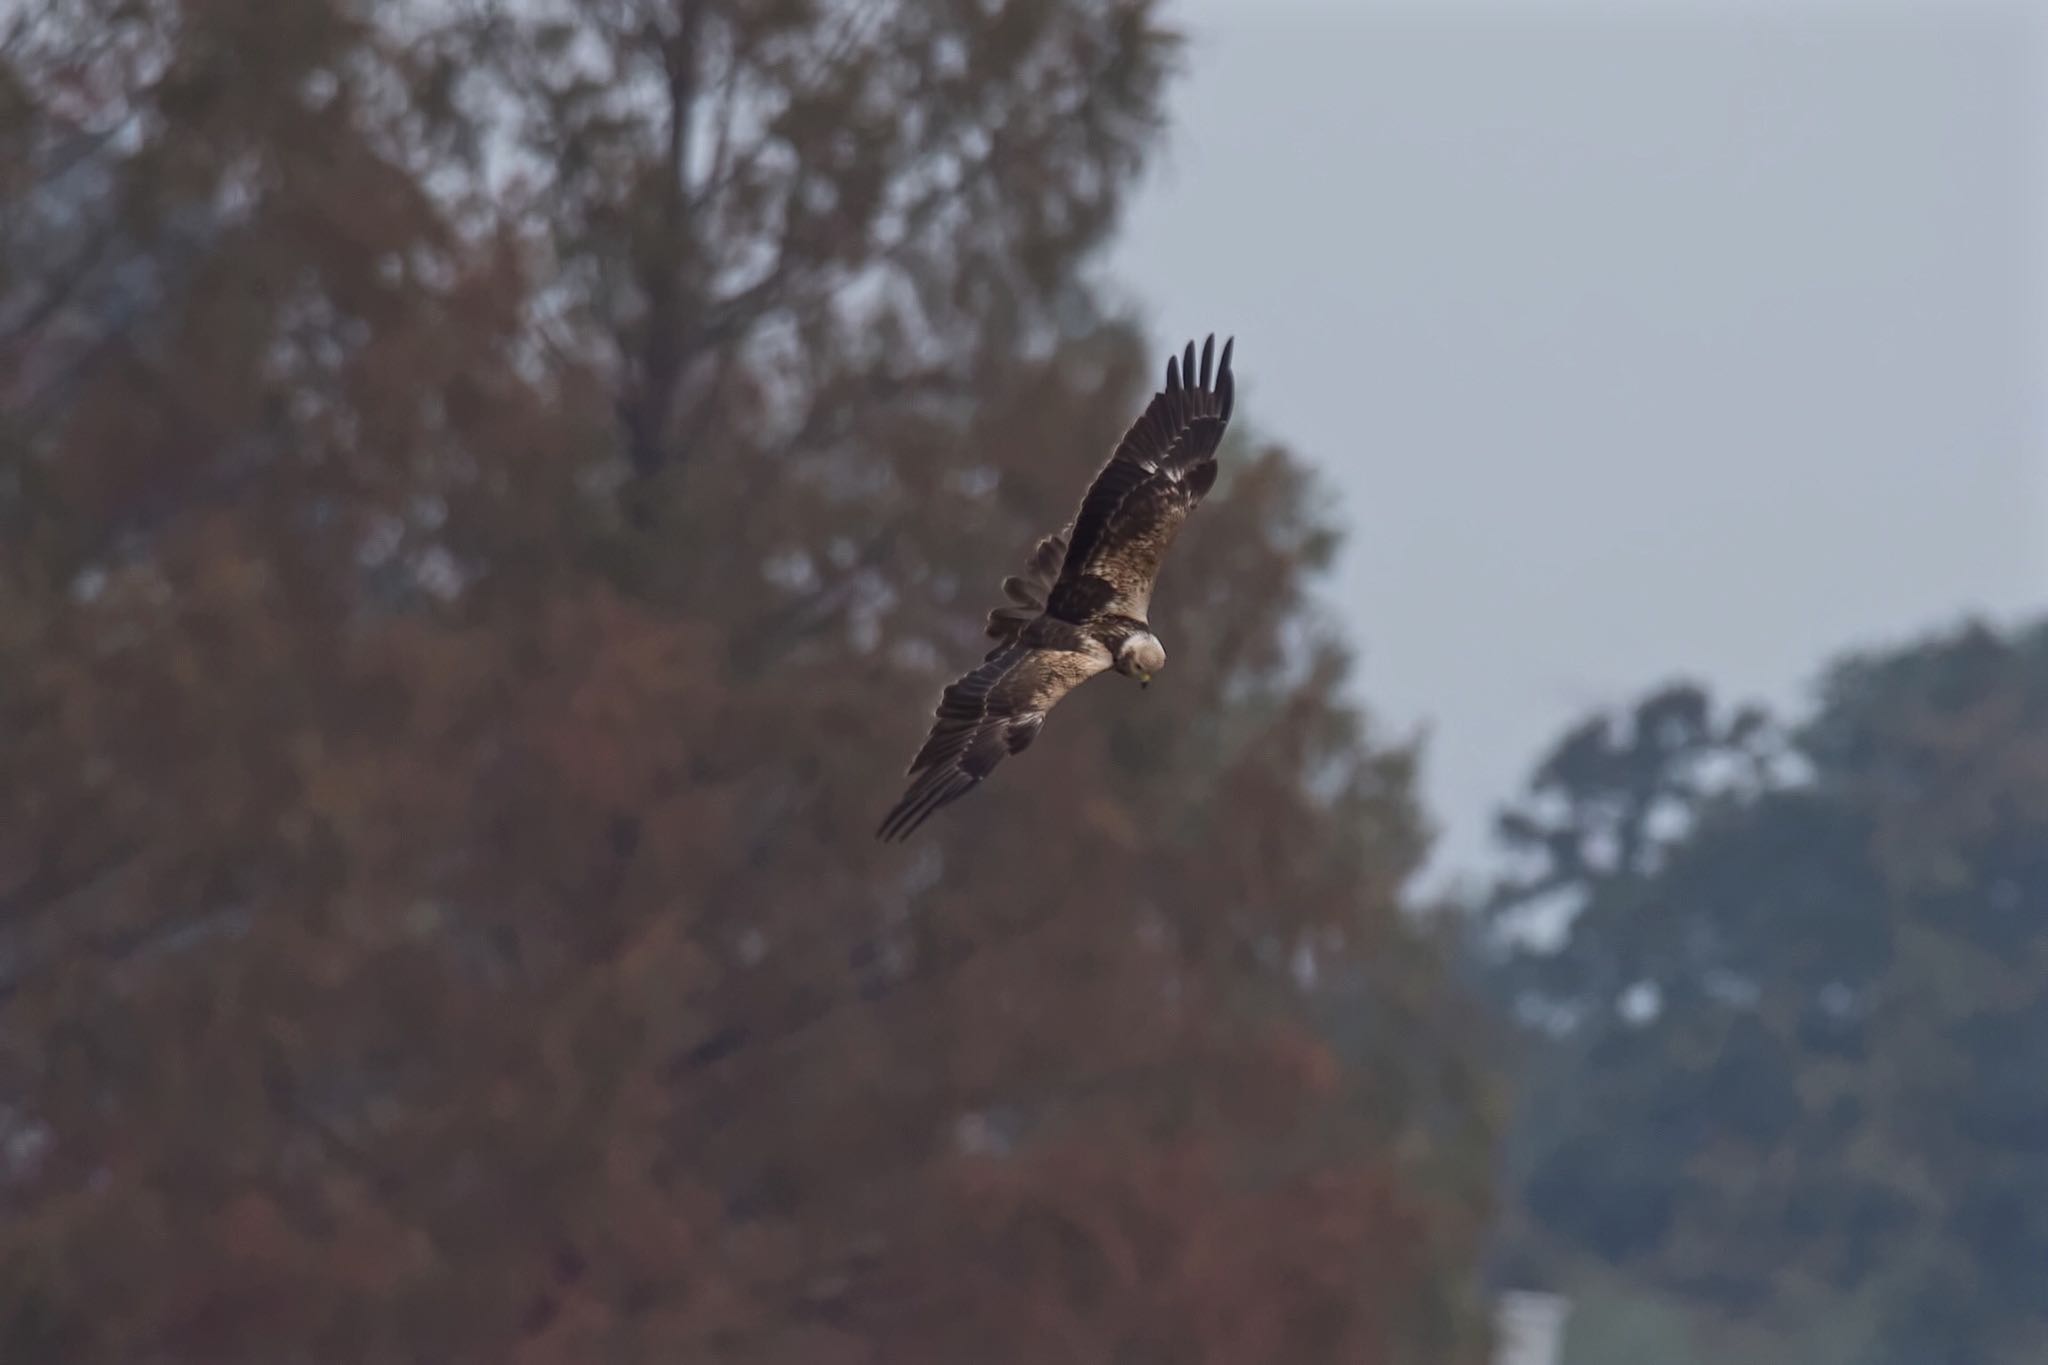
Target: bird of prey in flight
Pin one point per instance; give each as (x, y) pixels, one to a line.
(1080, 609)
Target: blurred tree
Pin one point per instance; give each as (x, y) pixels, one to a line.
(1794, 1045)
(490, 492)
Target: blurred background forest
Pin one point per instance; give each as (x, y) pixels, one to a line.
(488, 495)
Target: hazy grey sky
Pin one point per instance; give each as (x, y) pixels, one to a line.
(1635, 342)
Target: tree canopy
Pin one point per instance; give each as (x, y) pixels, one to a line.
(489, 494)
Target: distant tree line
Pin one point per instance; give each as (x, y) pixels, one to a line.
(1784, 1015)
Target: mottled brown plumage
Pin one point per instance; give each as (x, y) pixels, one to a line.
(1080, 608)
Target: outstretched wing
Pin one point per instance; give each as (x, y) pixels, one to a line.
(1027, 591)
(995, 710)
(1160, 471)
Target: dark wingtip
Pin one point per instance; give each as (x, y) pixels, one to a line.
(918, 805)
(893, 827)
(1172, 374)
(1208, 360)
(1224, 368)
(1187, 365)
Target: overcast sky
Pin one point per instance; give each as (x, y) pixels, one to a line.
(1674, 339)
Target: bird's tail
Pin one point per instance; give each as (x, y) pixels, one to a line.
(1027, 591)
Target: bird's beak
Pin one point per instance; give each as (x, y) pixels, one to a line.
(1144, 681)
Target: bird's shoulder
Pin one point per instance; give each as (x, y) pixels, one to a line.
(1050, 634)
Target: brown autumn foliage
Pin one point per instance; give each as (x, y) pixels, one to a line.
(490, 494)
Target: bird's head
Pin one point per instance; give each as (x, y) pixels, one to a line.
(1140, 656)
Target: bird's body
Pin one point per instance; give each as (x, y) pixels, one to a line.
(1081, 607)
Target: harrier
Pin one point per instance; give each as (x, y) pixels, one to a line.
(1080, 610)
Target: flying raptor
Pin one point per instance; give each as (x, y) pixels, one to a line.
(1080, 609)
